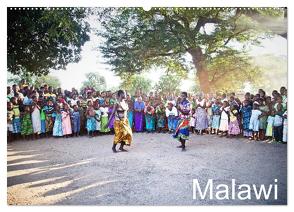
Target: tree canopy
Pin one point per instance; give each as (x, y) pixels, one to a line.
(133, 82)
(40, 39)
(95, 80)
(136, 40)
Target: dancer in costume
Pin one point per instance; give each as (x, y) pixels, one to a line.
(122, 129)
(182, 130)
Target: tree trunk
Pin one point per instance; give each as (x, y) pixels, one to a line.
(199, 61)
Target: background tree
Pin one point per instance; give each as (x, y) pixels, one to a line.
(48, 79)
(34, 80)
(135, 39)
(169, 83)
(133, 82)
(42, 39)
(96, 81)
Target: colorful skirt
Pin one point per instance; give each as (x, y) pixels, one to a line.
(43, 126)
(201, 119)
(103, 127)
(269, 130)
(172, 122)
(182, 130)
(131, 118)
(215, 121)
(234, 128)
(16, 125)
(26, 125)
(160, 122)
(49, 123)
(91, 124)
(139, 118)
(57, 128)
(122, 132)
(150, 122)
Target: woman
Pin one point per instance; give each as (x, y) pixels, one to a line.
(201, 115)
(139, 107)
(122, 130)
(182, 131)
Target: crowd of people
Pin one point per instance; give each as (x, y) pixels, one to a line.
(45, 111)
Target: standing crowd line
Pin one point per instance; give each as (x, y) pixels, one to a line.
(46, 111)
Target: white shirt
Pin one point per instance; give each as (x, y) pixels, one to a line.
(173, 112)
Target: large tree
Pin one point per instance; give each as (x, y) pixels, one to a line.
(134, 82)
(96, 81)
(136, 39)
(40, 39)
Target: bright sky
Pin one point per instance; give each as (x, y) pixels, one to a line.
(92, 61)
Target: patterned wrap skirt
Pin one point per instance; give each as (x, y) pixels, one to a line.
(182, 130)
(122, 132)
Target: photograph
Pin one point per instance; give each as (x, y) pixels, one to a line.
(135, 106)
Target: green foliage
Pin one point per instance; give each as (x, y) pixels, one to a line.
(229, 72)
(34, 80)
(48, 80)
(135, 40)
(40, 40)
(168, 84)
(96, 81)
(273, 72)
(132, 83)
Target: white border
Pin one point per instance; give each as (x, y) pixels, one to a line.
(145, 4)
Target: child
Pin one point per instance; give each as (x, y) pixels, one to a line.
(192, 120)
(149, 119)
(234, 128)
(269, 126)
(285, 127)
(254, 121)
(111, 121)
(262, 121)
(10, 115)
(278, 123)
(57, 127)
(76, 121)
(66, 123)
(171, 113)
(36, 117)
(48, 109)
(104, 118)
(16, 117)
(82, 108)
(246, 114)
(91, 122)
(160, 117)
(215, 116)
(209, 116)
(26, 123)
(97, 117)
(224, 118)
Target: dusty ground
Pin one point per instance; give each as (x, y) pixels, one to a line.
(84, 171)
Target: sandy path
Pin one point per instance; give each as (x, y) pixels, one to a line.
(84, 170)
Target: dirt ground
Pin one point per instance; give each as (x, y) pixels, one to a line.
(84, 171)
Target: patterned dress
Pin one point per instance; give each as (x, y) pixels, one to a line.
(57, 127)
(76, 121)
(234, 128)
(26, 124)
(160, 117)
(201, 116)
(216, 116)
